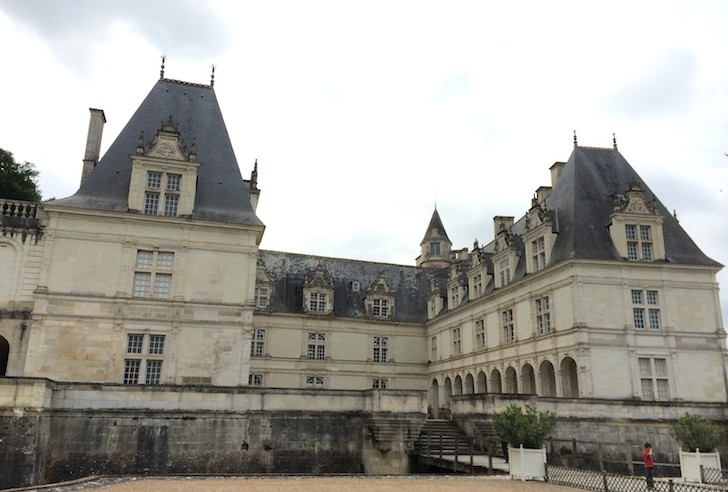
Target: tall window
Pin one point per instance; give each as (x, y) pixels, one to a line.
(314, 381)
(456, 343)
(257, 344)
(538, 253)
(317, 302)
(380, 349)
(508, 326)
(380, 308)
(153, 274)
(433, 349)
(255, 379)
(505, 272)
(654, 379)
(639, 242)
(435, 249)
(379, 383)
(316, 346)
(144, 358)
(543, 315)
(261, 297)
(480, 334)
(477, 285)
(646, 309)
(156, 194)
(454, 296)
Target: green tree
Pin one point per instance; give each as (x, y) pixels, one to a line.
(18, 181)
(696, 432)
(530, 428)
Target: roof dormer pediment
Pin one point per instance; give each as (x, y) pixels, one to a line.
(167, 144)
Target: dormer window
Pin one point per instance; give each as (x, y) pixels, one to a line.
(435, 249)
(317, 302)
(639, 247)
(636, 227)
(504, 272)
(379, 302)
(318, 294)
(155, 194)
(538, 253)
(380, 308)
(539, 237)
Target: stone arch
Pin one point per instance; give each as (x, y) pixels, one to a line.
(457, 387)
(496, 385)
(511, 381)
(547, 378)
(469, 384)
(482, 383)
(8, 267)
(435, 399)
(4, 355)
(448, 391)
(528, 379)
(569, 378)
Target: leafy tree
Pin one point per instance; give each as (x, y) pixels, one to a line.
(18, 181)
(695, 432)
(530, 428)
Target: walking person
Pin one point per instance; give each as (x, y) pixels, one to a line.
(649, 466)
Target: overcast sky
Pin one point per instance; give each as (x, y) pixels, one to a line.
(364, 115)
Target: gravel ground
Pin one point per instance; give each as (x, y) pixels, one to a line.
(418, 483)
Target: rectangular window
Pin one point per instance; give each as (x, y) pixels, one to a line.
(477, 285)
(257, 344)
(314, 381)
(509, 329)
(316, 346)
(148, 366)
(151, 203)
(255, 379)
(171, 203)
(639, 242)
(456, 344)
(480, 334)
(632, 251)
(505, 272)
(148, 279)
(645, 234)
(650, 317)
(261, 297)
(379, 383)
(380, 308)
(538, 253)
(317, 302)
(630, 231)
(154, 179)
(543, 315)
(173, 182)
(381, 349)
(435, 249)
(454, 297)
(654, 379)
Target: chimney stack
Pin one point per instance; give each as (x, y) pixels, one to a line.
(556, 172)
(93, 141)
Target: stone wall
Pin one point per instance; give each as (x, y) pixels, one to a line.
(59, 431)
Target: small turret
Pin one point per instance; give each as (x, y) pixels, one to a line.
(435, 248)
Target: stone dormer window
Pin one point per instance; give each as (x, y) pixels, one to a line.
(435, 302)
(636, 227)
(318, 294)
(506, 255)
(456, 287)
(478, 276)
(379, 302)
(539, 237)
(263, 288)
(163, 175)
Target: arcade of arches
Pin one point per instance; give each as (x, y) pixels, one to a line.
(541, 381)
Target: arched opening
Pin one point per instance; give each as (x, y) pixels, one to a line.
(8, 258)
(482, 383)
(469, 384)
(448, 392)
(495, 382)
(435, 400)
(457, 388)
(547, 377)
(511, 381)
(528, 380)
(569, 378)
(4, 355)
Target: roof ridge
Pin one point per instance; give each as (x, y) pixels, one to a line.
(183, 82)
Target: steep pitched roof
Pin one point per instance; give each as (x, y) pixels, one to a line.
(583, 198)
(435, 230)
(222, 194)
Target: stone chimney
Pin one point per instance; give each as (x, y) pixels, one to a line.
(556, 172)
(501, 223)
(93, 141)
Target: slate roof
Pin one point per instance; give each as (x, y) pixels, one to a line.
(222, 194)
(289, 271)
(435, 225)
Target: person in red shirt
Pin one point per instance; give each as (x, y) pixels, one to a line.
(649, 465)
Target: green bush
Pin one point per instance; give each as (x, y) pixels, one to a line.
(530, 428)
(695, 432)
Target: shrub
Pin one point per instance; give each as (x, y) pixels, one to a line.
(530, 428)
(695, 432)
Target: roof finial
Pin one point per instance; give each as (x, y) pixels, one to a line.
(254, 176)
(161, 72)
(576, 144)
(212, 77)
(614, 140)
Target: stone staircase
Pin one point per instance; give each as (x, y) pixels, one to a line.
(444, 437)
